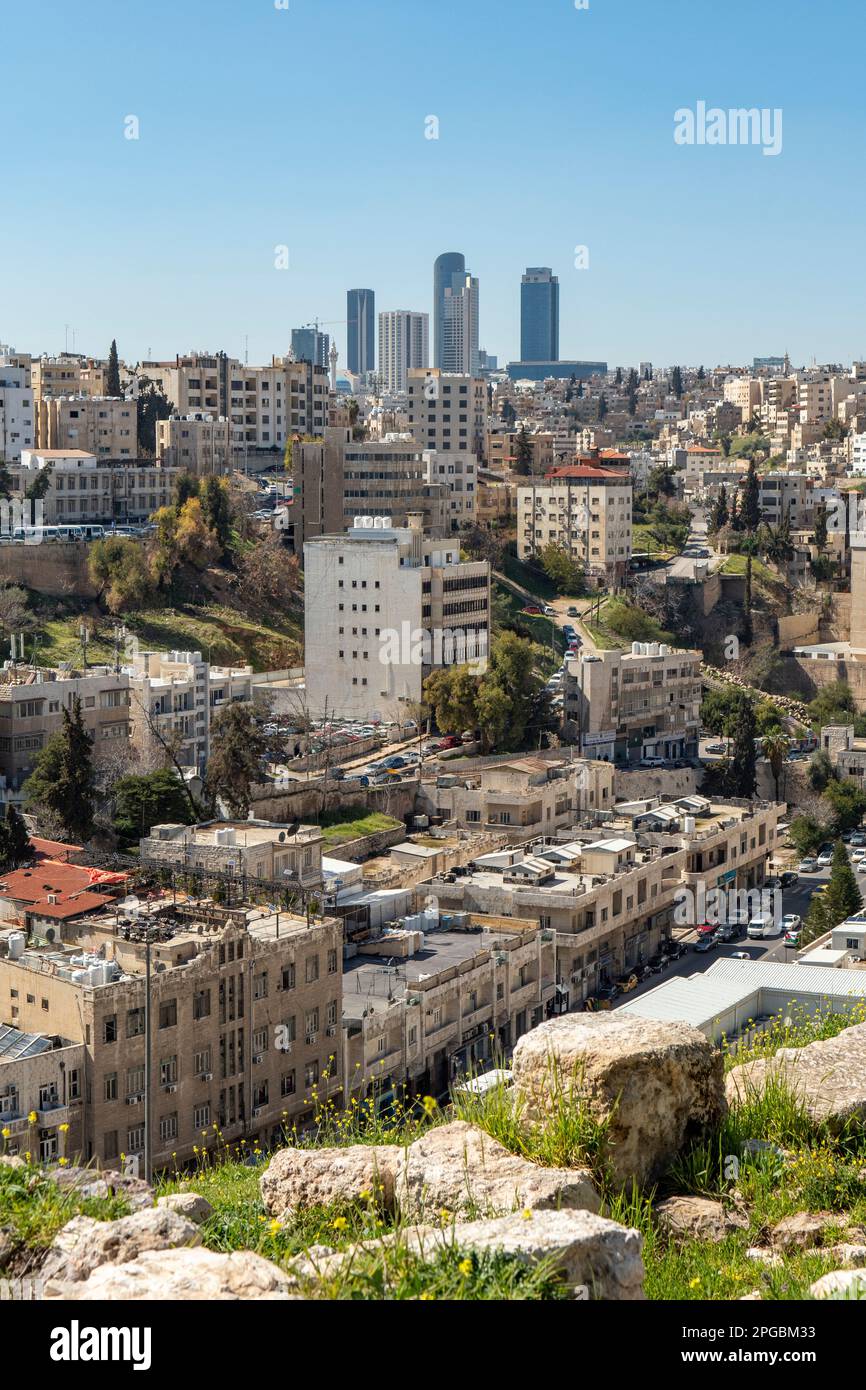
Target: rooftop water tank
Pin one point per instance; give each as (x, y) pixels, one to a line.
(17, 941)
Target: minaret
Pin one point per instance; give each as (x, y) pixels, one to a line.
(332, 357)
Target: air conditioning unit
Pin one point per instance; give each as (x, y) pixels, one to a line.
(257, 1111)
(206, 1076)
(331, 1032)
(169, 1090)
(257, 1059)
(310, 1038)
(134, 1100)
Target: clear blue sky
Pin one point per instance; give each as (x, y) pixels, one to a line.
(305, 127)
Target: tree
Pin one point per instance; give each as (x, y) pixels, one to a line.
(747, 629)
(216, 509)
(112, 376)
(820, 534)
(848, 804)
(15, 611)
(632, 400)
(197, 544)
(751, 505)
(807, 835)
(508, 413)
(563, 572)
(719, 513)
(451, 693)
(676, 383)
(602, 407)
(238, 750)
(35, 491)
(62, 778)
(16, 847)
(776, 747)
(143, 801)
(512, 669)
(5, 481)
(523, 453)
(741, 778)
(185, 487)
(152, 405)
(842, 897)
(820, 771)
(118, 567)
(493, 712)
(269, 577)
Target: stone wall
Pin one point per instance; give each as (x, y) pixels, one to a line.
(56, 568)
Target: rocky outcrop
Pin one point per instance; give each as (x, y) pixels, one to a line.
(829, 1077)
(842, 1283)
(179, 1276)
(299, 1178)
(456, 1168)
(807, 1229)
(652, 1084)
(698, 1218)
(459, 1168)
(188, 1204)
(84, 1244)
(90, 1182)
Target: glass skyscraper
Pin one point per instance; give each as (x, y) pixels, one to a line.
(361, 331)
(539, 315)
(455, 315)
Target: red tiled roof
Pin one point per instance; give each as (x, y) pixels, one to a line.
(581, 471)
(71, 907)
(52, 849)
(71, 885)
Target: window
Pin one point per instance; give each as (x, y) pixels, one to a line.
(109, 1027)
(311, 1023)
(332, 962)
(260, 1040)
(109, 1086)
(168, 1071)
(47, 1144)
(75, 1085)
(287, 1083)
(201, 1004)
(201, 1117)
(287, 980)
(311, 1074)
(110, 1144)
(168, 1128)
(135, 1081)
(201, 1062)
(135, 1140)
(311, 969)
(260, 986)
(168, 1014)
(332, 1014)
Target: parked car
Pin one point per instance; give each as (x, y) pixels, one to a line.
(788, 877)
(807, 865)
(858, 855)
(717, 748)
(573, 612)
(651, 762)
(450, 741)
(825, 859)
(628, 983)
(791, 922)
(792, 938)
(705, 944)
(741, 955)
(548, 611)
(533, 610)
(858, 839)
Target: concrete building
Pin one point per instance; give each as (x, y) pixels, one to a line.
(585, 509)
(539, 315)
(290, 854)
(68, 374)
(309, 345)
(422, 1011)
(245, 1035)
(105, 426)
(173, 697)
(198, 443)
(404, 346)
(786, 495)
(41, 1093)
(17, 424)
(82, 488)
(523, 797)
(32, 701)
(384, 606)
(628, 706)
(448, 412)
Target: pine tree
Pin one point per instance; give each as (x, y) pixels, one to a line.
(112, 379)
(61, 782)
(752, 499)
(523, 453)
(677, 382)
(748, 630)
(602, 407)
(17, 847)
(740, 776)
(842, 897)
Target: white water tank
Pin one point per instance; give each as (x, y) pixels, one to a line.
(635, 648)
(17, 941)
(689, 825)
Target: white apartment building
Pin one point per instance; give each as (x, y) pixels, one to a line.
(448, 412)
(459, 327)
(404, 346)
(17, 429)
(645, 703)
(381, 605)
(459, 473)
(585, 509)
(82, 488)
(786, 495)
(173, 697)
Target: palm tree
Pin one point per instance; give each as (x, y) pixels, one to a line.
(775, 748)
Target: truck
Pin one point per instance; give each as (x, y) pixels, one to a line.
(763, 925)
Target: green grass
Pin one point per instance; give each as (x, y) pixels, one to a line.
(540, 629)
(33, 1209)
(528, 577)
(356, 827)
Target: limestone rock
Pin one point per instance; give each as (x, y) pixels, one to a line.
(459, 1168)
(89, 1182)
(849, 1256)
(84, 1244)
(657, 1083)
(829, 1076)
(842, 1283)
(698, 1218)
(179, 1275)
(298, 1178)
(189, 1204)
(805, 1229)
(771, 1258)
(11, 1161)
(8, 1245)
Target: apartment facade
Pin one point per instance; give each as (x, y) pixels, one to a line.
(32, 701)
(42, 1080)
(198, 443)
(523, 797)
(17, 427)
(244, 849)
(82, 488)
(384, 606)
(174, 696)
(448, 411)
(586, 510)
(404, 346)
(627, 706)
(786, 496)
(245, 1032)
(104, 426)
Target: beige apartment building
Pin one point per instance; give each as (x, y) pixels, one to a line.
(586, 510)
(244, 849)
(523, 797)
(41, 1094)
(448, 412)
(105, 426)
(501, 451)
(422, 1011)
(786, 495)
(200, 443)
(745, 393)
(264, 405)
(245, 1013)
(629, 706)
(32, 701)
(83, 489)
(68, 374)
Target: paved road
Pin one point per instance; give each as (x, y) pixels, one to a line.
(683, 567)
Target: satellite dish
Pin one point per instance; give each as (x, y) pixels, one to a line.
(282, 837)
(292, 829)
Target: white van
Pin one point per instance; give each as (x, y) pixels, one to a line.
(763, 925)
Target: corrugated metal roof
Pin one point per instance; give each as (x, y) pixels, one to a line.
(803, 979)
(698, 999)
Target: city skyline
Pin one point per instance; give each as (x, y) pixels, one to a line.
(687, 249)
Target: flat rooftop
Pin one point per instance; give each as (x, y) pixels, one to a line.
(372, 983)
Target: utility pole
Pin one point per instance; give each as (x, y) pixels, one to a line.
(148, 1107)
